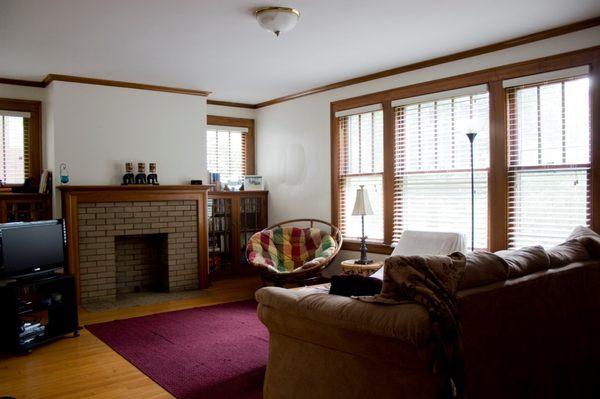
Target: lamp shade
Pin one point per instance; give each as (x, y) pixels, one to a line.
(362, 205)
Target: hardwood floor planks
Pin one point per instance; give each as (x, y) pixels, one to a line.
(85, 367)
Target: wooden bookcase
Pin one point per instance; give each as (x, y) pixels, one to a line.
(25, 207)
(233, 217)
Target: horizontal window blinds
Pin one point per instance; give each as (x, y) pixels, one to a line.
(361, 163)
(432, 177)
(226, 154)
(548, 160)
(14, 148)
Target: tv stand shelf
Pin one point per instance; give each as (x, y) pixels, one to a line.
(47, 300)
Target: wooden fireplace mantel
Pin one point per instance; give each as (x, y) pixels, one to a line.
(73, 195)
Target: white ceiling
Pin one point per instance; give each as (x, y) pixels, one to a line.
(218, 46)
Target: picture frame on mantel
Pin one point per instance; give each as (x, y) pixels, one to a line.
(253, 183)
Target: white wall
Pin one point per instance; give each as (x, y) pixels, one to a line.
(98, 128)
(301, 127)
(22, 92)
(232, 112)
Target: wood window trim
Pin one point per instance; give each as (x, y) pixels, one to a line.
(497, 177)
(250, 139)
(35, 132)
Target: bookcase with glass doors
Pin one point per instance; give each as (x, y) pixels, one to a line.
(233, 217)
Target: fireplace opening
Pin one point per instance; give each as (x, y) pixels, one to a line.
(141, 263)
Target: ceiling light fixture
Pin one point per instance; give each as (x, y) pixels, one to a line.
(277, 19)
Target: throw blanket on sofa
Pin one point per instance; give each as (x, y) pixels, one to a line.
(430, 281)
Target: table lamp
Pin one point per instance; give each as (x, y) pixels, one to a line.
(362, 207)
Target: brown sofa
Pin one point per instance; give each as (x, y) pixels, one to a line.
(535, 335)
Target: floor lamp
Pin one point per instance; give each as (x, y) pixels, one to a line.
(471, 136)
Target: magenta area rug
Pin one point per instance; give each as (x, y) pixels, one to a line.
(208, 352)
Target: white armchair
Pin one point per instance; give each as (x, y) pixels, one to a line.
(414, 242)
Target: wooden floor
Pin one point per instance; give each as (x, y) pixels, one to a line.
(85, 367)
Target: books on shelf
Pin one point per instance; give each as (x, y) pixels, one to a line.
(219, 224)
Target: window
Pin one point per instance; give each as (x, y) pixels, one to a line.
(361, 164)
(226, 153)
(432, 176)
(14, 145)
(20, 138)
(536, 159)
(230, 147)
(548, 160)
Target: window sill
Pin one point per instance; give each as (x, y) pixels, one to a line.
(375, 247)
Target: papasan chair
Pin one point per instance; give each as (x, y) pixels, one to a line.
(294, 251)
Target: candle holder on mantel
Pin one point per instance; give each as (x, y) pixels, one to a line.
(152, 176)
(128, 177)
(140, 178)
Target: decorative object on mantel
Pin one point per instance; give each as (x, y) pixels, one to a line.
(196, 182)
(253, 183)
(128, 177)
(152, 176)
(140, 178)
(362, 207)
(64, 173)
(277, 19)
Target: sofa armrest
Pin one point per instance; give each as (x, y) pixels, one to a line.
(408, 322)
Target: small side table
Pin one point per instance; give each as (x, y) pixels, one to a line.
(349, 268)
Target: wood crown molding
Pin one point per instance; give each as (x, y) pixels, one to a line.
(534, 37)
(484, 76)
(231, 104)
(117, 83)
(20, 82)
(518, 41)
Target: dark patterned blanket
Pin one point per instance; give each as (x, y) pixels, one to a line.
(431, 281)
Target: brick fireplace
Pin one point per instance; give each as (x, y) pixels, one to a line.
(131, 239)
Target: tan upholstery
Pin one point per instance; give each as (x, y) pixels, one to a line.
(525, 261)
(483, 268)
(567, 252)
(532, 336)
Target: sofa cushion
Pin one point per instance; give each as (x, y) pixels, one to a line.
(409, 322)
(589, 238)
(525, 261)
(567, 252)
(483, 268)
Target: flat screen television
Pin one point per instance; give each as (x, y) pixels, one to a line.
(29, 248)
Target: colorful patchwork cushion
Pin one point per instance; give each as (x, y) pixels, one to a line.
(289, 249)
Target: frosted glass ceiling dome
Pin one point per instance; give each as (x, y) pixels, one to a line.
(277, 19)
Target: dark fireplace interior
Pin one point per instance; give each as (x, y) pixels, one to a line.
(141, 263)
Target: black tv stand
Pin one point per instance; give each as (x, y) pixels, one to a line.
(36, 310)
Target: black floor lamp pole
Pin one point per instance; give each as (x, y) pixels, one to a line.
(471, 137)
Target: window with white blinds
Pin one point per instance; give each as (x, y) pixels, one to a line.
(361, 163)
(14, 147)
(226, 153)
(432, 176)
(548, 160)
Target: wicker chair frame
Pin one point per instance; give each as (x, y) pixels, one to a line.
(306, 276)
